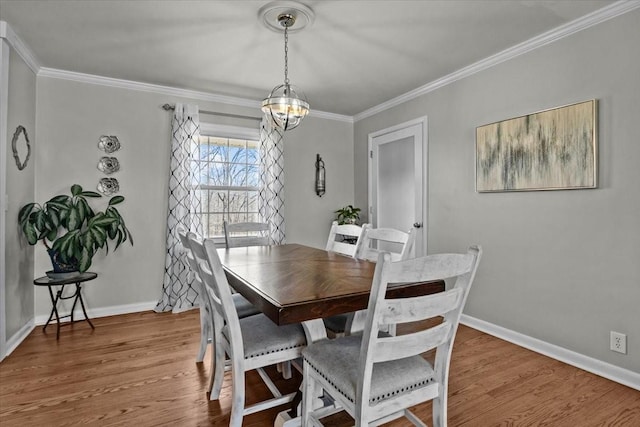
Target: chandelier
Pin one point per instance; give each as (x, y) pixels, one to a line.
(283, 104)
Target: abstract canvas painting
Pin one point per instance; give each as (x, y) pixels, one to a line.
(554, 149)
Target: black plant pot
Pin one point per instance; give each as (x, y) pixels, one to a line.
(59, 266)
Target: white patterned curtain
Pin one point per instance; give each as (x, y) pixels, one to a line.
(179, 292)
(271, 195)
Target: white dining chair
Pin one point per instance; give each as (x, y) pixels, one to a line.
(242, 234)
(244, 308)
(251, 343)
(343, 239)
(206, 329)
(376, 377)
(376, 240)
(370, 244)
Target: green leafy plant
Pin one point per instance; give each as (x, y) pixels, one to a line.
(347, 215)
(71, 230)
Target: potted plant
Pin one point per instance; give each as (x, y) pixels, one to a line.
(71, 230)
(348, 215)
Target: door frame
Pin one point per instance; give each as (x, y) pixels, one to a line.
(4, 102)
(423, 121)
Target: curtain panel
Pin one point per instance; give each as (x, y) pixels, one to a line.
(179, 289)
(271, 195)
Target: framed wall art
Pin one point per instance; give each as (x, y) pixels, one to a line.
(554, 149)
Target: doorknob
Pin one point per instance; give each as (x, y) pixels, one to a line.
(417, 224)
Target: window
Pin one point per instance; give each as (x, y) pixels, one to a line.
(228, 161)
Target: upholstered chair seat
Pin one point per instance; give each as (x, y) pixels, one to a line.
(337, 361)
(261, 336)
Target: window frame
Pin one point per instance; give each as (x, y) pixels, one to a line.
(233, 132)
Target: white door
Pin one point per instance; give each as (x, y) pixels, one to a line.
(398, 179)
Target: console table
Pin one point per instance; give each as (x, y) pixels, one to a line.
(78, 280)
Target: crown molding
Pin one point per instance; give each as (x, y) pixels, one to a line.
(144, 87)
(601, 15)
(7, 33)
(168, 90)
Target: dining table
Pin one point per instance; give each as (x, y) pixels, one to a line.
(293, 283)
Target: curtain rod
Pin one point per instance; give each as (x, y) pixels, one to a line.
(168, 107)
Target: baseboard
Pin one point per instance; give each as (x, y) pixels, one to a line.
(17, 338)
(105, 311)
(589, 364)
(23, 333)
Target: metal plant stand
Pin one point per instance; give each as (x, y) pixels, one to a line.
(77, 280)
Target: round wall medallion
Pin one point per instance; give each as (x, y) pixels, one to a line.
(20, 130)
(108, 165)
(109, 144)
(108, 186)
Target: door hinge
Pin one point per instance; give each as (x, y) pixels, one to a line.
(371, 154)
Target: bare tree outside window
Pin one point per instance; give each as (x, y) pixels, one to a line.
(228, 181)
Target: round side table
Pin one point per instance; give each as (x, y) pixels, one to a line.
(78, 280)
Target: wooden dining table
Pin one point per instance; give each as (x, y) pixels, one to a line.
(293, 283)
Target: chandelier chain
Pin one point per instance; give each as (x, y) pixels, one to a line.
(286, 55)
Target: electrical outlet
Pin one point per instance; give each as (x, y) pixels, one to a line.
(618, 342)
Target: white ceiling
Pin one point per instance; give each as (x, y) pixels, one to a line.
(355, 56)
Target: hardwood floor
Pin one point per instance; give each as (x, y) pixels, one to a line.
(140, 370)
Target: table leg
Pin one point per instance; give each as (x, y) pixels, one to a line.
(79, 297)
(315, 331)
(54, 310)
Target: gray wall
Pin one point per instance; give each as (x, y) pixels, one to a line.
(20, 189)
(73, 115)
(560, 266)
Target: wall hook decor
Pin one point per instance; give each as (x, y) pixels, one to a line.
(20, 130)
(320, 176)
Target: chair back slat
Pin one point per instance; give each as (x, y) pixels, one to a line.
(433, 267)
(208, 280)
(200, 255)
(374, 241)
(192, 261)
(405, 310)
(217, 280)
(401, 346)
(342, 231)
(244, 234)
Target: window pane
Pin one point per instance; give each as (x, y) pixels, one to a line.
(218, 150)
(253, 176)
(238, 201)
(237, 217)
(237, 175)
(200, 172)
(217, 174)
(203, 148)
(217, 201)
(215, 225)
(253, 201)
(253, 217)
(204, 200)
(253, 148)
(237, 151)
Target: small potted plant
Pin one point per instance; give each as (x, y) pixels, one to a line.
(71, 230)
(347, 215)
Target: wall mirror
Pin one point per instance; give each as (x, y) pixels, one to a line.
(21, 147)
